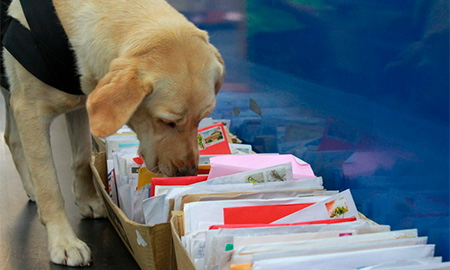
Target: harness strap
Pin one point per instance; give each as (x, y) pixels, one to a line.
(44, 50)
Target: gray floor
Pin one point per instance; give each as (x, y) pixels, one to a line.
(23, 240)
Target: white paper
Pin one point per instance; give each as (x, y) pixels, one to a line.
(126, 200)
(116, 142)
(313, 183)
(241, 241)
(198, 188)
(240, 149)
(327, 242)
(212, 212)
(273, 194)
(153, 210)
(424, 263)
(238, 259)
(138, 198)
(226, 235)
(161, 190)
(346, 260)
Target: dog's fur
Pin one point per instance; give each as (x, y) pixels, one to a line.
(142, 64)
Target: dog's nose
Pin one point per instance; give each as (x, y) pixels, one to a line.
(188, 171)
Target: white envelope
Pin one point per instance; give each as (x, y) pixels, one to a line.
(240, 149)
(327, 242)
(281, 172)
(119, 141)
(313, 183)
(153, 210)
(238, 259)
(304, 184)
(346, 260)
(125, 167)
(340, 205)
(411, 264)
(273, 195)
(126, 200)
(227, 235)
(211, 212)
(138, 198)
(241, 241)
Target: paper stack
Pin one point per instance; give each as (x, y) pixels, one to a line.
(233, 222)
(261, 211)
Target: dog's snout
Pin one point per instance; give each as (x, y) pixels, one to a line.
(187, 171)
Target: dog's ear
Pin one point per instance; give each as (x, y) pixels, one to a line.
(221, 72)
(116, 97)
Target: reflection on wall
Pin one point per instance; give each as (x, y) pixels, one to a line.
(358, 89)
(393, 52)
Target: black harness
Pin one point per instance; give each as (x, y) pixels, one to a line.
(44, 50)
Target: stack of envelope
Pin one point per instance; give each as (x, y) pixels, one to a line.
(272, 212)
(263, 211)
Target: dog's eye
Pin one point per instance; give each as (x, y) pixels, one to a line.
(168, 123)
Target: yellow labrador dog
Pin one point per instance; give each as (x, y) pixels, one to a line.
(142, 64)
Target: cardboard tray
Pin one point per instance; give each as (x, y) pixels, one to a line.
(184, 262)
(151, 246)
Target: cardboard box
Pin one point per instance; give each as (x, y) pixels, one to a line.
(184, 262)
(151, 246)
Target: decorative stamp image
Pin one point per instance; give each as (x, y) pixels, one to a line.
(276, 175)
(256, 178)
(337, 207)
(210, 137)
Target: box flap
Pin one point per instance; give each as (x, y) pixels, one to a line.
(184, 262)
(151, 246)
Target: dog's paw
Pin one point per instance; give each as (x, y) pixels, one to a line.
(91, 208)
(71, 253)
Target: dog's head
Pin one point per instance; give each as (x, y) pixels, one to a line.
(162, 91)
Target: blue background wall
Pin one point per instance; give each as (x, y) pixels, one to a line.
(359, 89)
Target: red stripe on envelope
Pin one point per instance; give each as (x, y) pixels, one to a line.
(326, 221)
(175, 181)
(260, 214)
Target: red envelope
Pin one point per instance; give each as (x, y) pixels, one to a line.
(238, 226)
(175, 181)
(212, 140)
(260, 214)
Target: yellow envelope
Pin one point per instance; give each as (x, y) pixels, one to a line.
(145, 177)
(243, 266)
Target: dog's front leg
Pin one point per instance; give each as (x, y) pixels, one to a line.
(86, 197)
(12, 139)
(33, 121)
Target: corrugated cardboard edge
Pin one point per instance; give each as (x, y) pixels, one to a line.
(184, 262)
(151, 246)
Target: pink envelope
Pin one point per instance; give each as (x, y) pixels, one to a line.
(231, 164)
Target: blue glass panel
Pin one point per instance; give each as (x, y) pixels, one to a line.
(359, 89)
